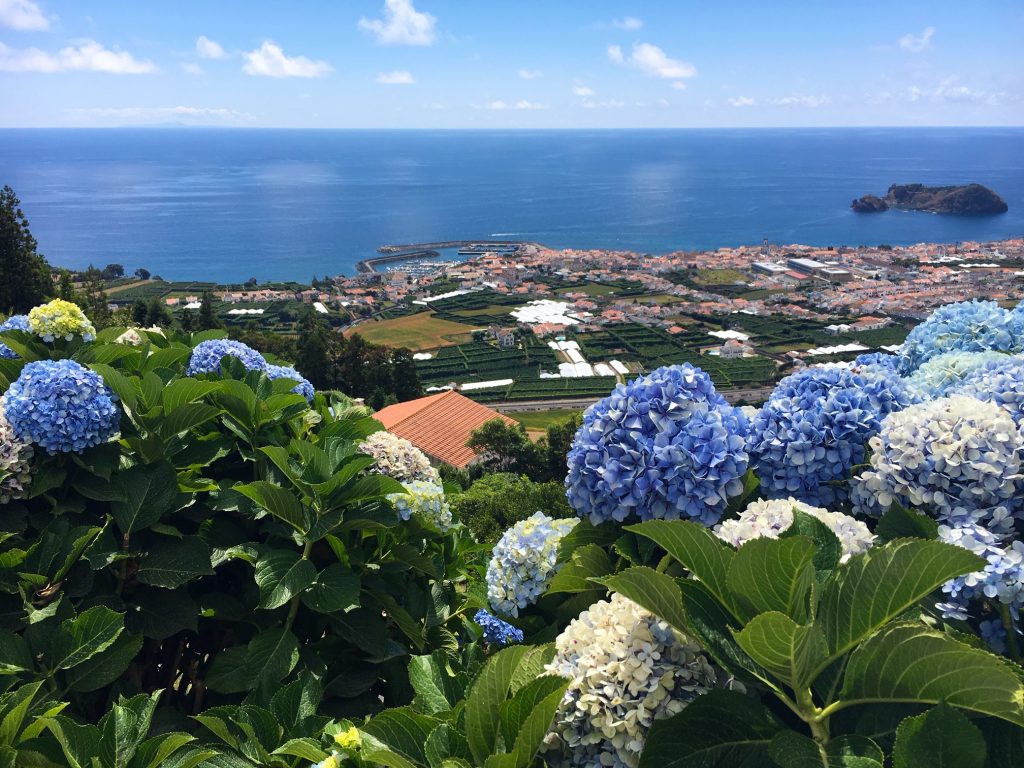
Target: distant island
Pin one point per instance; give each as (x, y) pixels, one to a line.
(966, 199)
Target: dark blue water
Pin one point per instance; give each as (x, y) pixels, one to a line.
(229, 204)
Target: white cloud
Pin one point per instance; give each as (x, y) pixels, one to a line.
(679, 85)
(88, 55)
(522, 104)
(653, 61)
(192, 68)
(917, 43)
(607, 104)
(402, 25)
(270, 61)
(398, 77)
(952, 90)
(800, 101)
(163, 114)
(23, 15)
(209, 49)
(582, 90)
(742, 101)
(530, 74)
(628, 22)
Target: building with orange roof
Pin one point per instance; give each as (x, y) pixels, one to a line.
(440, 425)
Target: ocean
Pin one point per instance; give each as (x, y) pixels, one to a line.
(226, 205)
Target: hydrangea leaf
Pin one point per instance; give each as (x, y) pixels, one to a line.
(485, 699)
(942, 736)
(910, 662)
(587, 564)
(433, 686)
(335, 589)
(170, 562)
(79, 743)
(696, 547)
(187, 417)
(788, 650)
(898, 522)
(659, 593)
(105, 667)
(145, 494)
(876, 587)
(271, 655)
(828, 549)
(125, 726)
(789, 749)
(15, 656)
(1005, 742)
(535, 727)
(277, 501)
(515, 712)
(403, 731)
(281, 574)
(82, 637)
(721, 729)
(773, 575)
(445, 744)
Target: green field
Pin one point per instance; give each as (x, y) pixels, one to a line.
(719, 276)
(543, 419)
(417, 332)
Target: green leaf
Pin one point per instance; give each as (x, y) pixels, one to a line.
(145, 493)
(281, 574)
(14, 654)
(828, 549)
(183, 391)
(15, 709)
(279, 502)
(125, 388)
(432, 684)
(485, 698)
(874, 588)
(154, 752)
(773, 575)
(444, 746)
(705, 555)
(788, 650)
(1005, 743)
(721, 729)
(940, 738)
(272, 654)
(160, 613)
(657, 592)
(170, 562)
(106, 666)
(83, 637)
(307, 749)
(513, 712)
(536, 726)
(588, 562)
(79, 743)
(187, 417)
(403, 731)
(336, 589)
(899, 522)
(531, 665)
(228, 672)
(124, 727)
(791, 750)
(910, 662)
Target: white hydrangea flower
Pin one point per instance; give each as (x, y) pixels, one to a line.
(767, 518)
(131, 336)
(627, 669)
(523, 562)
(425, 500)
(398, 458)
(15, 466)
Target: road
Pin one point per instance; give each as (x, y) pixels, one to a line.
(753, 395)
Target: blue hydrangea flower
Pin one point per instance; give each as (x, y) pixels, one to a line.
(956, 458)
(943, 372)
(497, 631)
(207, 355)
(877, 360)
(1001, 580)
(61, 406)
(993, 633)
(664, 446)
(814, 429)
(523, 562)
(1002, 384)
(12, 323)
(303, 387)
(970, 326)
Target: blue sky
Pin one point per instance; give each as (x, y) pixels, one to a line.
(497, 64)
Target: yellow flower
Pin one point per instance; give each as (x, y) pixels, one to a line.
(350, 739)
(60, 320)
(328, 762)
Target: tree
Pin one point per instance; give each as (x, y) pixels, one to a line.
(142, 274)
(26, 274)
(315, 349)
(188, 323)
(157, 314)
(207, 319)
(559, 441)
(94, 300)
(139, 312)
(509, 449)
(496, 501)
(113, 271)
(66, 287)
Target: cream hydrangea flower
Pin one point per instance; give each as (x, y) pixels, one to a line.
(523, 562)
(60, 319)
(627, 669)
(15, 467)
(131, 336)
(426, 501)
(767, 518)
(398, 458)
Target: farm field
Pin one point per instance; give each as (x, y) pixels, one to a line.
(541, 420)
(419, 331)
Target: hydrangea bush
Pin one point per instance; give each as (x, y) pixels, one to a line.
(665, 446)
(523, 562)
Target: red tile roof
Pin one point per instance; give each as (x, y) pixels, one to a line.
(439, 425)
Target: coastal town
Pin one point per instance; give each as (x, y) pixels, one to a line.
(523, 326)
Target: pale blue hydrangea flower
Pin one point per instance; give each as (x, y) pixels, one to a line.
(664, 446)
(207, 355)
(943, 372)
(497, 631)
(523, 562)
(626, 668)
(970, 326)
(814, 429)
(957, 458)
(869, 495)
(881, 361)
(1001, 580)
(993, 633)
(303, 387)
(426, 501)
(61, 406)
(12, 323)
(1002, 384)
